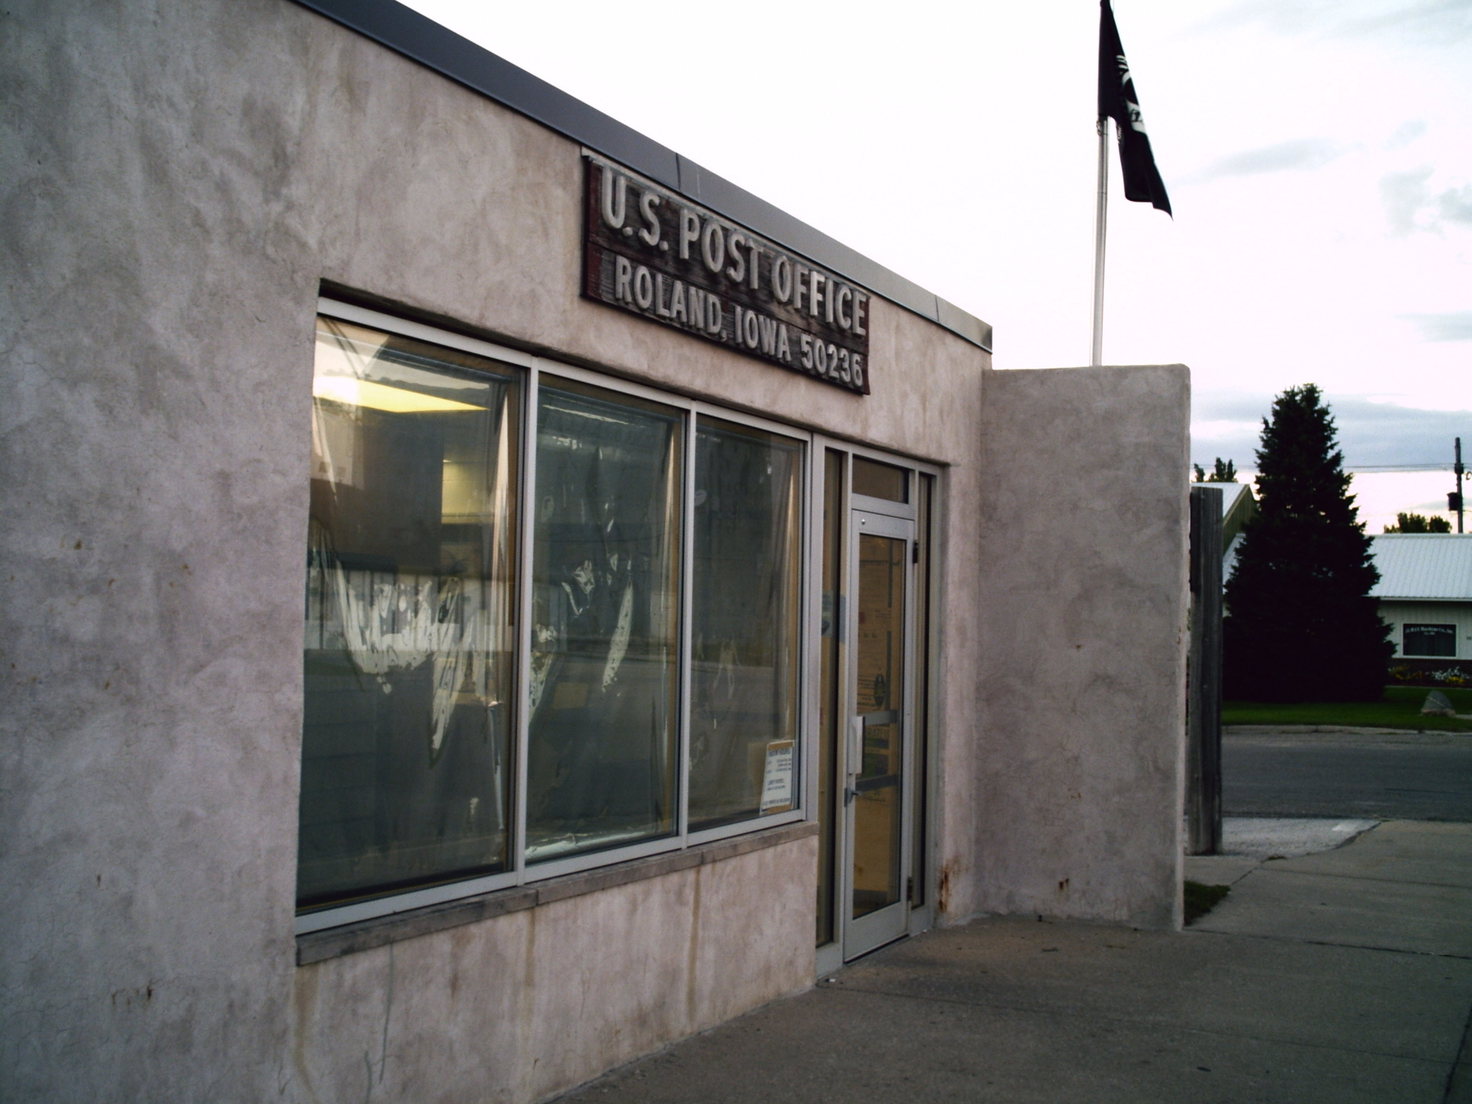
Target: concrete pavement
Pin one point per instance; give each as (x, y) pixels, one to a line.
(1340, 976)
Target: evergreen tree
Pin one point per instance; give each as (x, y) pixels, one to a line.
(1300, 624)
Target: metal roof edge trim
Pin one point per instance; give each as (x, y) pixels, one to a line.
(436, 47)
(1424, 599)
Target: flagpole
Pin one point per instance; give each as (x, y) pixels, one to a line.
(1101, 214)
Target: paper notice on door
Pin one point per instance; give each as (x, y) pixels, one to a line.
(777, 778)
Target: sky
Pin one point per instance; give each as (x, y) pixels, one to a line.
(1318, 156)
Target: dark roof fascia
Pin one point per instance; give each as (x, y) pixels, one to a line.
(421, 39)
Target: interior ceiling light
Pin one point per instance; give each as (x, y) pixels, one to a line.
(380, 396)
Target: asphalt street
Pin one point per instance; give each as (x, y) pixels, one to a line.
(1347, 773)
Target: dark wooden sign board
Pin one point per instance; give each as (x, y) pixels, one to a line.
(655, 254)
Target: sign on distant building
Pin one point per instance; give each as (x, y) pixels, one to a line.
(653, 253)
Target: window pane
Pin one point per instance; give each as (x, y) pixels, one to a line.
(1429, 640)
(879, 480)
(880, 639)
(602, 754)
(408, 636)
(744, 666)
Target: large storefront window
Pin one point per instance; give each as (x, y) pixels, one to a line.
(405, 745)
(511, 676)
(602, 755)
(744, 667)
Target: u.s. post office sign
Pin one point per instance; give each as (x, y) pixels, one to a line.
(655, 254)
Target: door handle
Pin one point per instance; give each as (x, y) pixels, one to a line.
(853, 761)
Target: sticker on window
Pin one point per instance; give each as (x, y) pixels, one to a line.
(777, 779)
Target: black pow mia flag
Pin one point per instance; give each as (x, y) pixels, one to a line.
(1118, 101)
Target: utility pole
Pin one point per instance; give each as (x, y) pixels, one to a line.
(1204, 692)
(1454, 501)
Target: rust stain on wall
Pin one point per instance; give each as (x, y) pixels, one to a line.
(943, 889)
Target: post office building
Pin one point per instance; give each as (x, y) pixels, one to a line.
(485, 597)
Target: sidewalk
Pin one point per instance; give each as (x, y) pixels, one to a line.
(1341, 976)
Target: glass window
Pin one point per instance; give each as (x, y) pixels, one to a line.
(879, 480)
(1429, 640)
(480, 700)
(601, 757)
(879, 638)
(745, 625)
(408, 658)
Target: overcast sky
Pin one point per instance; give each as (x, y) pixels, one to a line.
(1318, 155)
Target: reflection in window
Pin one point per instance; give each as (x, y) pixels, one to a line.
(408, 635)
(442, 730)
(744, 663)
(880, 680)
(1429, 640)
(879, 480)
(602, 759)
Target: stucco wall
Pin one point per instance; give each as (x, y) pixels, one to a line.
(1079, 748)
(518, 1007)
(155, 299)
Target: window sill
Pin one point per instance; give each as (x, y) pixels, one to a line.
(330, 943)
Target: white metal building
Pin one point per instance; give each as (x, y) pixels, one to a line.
(1425, 593)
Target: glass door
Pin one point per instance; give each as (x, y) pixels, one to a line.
(878, 751)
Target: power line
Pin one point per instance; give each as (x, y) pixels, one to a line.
(1374, 468)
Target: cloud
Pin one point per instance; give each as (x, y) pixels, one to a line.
(1443, 327)
(1370, 434)
(1380, 435)
(1296, 155)
(1229, 425)
(1432, 22)
(1455, 204)
(1232, 406)
(1408, 132)
(1403, 195)
(1411, 203)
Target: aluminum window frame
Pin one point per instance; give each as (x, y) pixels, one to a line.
(691, 411)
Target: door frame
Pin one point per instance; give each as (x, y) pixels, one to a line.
(925, 511)
(861, 934)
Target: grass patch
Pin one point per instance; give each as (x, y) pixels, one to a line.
(1201, 899)
(1400, 708)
